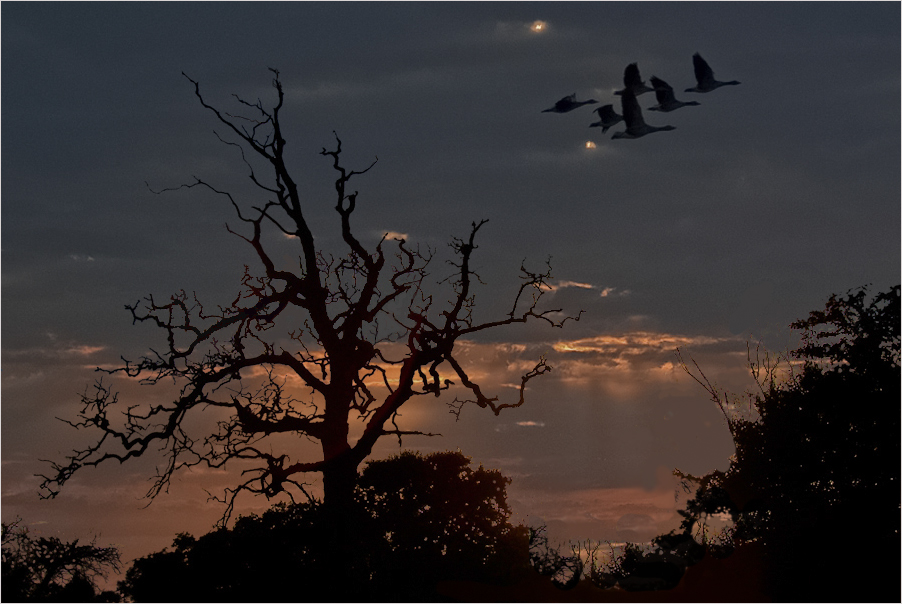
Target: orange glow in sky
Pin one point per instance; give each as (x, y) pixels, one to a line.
(539, 26)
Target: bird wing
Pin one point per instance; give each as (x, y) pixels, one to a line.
(631, 77)
(607, 113)
(632, 113)
(663, 90)
(565, 104)
(703, 72)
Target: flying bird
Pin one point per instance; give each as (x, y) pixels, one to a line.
(632, 115)
(666, 100)
(608, 116)
(568, 103)
(632, 81)
(704, 76)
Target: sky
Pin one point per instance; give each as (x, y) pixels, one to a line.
(713, 237)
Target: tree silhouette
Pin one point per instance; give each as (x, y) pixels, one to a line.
(419, 520)
(47, 569)
(564, 571)
(815, 478)
(658, 565)
(442, 519)
(362, 332)
(814, 483)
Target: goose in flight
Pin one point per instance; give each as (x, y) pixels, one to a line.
(632, 81)
(705, 76)
(608, 116)
(666, 100)
(568, 103)
(632, 115)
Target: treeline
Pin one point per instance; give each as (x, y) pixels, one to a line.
(813, 491)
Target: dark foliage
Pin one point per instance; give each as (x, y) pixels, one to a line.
(638, 570)
(660, 568)
(815, 478)
(46, 569)
(418, 520)
(564, 571)
(441, 519)
(657, 566)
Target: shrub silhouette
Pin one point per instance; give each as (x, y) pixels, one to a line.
(418, 520)
(441, 519)
(47, 569)
(815, 478)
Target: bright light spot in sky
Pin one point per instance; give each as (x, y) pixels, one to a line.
(539, 26)
(590, 145)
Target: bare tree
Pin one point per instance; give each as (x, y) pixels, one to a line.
(48, 569)
(357, 312)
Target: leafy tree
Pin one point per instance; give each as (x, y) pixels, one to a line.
(815, 477)
(341, 325)
(442, 519)
(419, 520)
(47, 569)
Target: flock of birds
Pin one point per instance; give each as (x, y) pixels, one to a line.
(633, 87)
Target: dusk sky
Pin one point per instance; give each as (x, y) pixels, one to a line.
(764, 200)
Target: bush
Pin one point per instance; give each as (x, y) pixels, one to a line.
(418, 520)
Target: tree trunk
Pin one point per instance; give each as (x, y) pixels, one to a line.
(339, 479)
(341, 547)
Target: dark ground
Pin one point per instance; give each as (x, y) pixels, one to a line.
(737, 578)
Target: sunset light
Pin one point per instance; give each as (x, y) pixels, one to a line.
(396, 235)
(358, 302)
(635, 341)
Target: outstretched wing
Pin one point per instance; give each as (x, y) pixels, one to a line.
(703, 72)
(663, 90)
(631, 77)
(607, 113)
